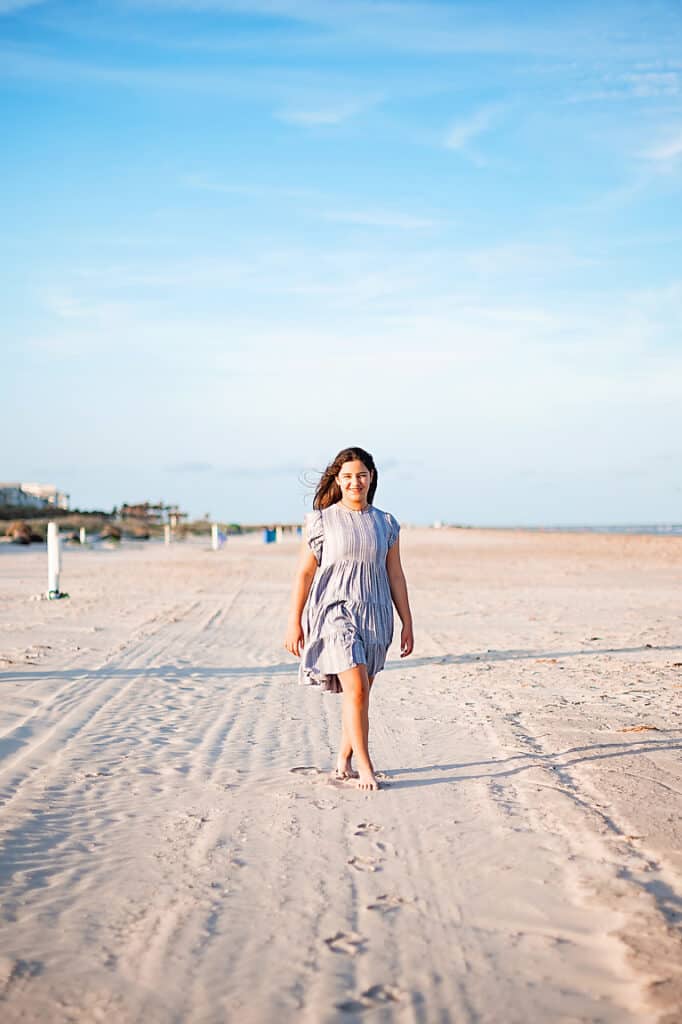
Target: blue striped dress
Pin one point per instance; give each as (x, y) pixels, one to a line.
(348, 617)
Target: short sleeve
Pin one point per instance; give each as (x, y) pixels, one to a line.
(313, 533)
(393, 529)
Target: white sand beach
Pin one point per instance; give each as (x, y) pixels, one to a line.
(173, 849)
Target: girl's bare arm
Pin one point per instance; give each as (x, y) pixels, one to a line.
(398, 585)
(299, 595)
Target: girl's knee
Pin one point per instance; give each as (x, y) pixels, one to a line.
(356, 686)
(357, 693)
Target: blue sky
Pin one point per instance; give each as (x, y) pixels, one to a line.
(238, 236)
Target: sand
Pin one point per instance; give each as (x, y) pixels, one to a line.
(173, 849)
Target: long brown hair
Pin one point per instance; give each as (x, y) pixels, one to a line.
(328, 491)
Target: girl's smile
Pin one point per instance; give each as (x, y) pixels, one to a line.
(354, 481)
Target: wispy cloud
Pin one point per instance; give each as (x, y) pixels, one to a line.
(326, 113)
(261, 83)
(463, 132)
(525, 258)
(654, 83)
(10, 6)
(667, 151)
(310, 118)
(22, 63)
(380, 219)
(432, 27)
(208, 183)
(66, 307)
(641, 85)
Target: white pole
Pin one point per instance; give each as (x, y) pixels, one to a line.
(166, 534)
(214, 536)
(53, 560)
(279, 534)
(83, 535)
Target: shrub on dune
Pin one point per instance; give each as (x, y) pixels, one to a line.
(110, 532)
(19, 532)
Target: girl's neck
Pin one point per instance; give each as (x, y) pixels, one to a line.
(354, 508)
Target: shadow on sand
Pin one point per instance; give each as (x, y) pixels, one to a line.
(561, 761)
(185, 671)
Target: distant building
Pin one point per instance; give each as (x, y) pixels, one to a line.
(12, 494)
(143, 510)
(37, 496)
(153, 513)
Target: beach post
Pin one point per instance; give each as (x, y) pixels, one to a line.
(279, 534)
(83, 535)
(167, 534)
(53, 561)
(214, 537)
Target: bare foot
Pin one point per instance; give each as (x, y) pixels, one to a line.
(344, 769)
(367, 779)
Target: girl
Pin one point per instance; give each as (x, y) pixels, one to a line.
(348, 573)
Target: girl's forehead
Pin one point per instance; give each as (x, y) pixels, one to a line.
(353, 467)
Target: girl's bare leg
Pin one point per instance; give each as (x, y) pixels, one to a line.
(355, 685)
(365, 717)
(344, 764)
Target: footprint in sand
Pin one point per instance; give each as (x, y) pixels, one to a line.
(306, 769)
(366, 827)
(346, 942)
(365, 863)
(376, 995)
(386, 903)
(17, 973)
(337, 782)
(325, 805)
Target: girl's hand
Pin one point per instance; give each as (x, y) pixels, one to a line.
(294, 639)
(406, 641)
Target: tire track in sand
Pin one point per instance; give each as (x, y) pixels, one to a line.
(488, 832)
(52, 728)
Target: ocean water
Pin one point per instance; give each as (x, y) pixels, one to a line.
(663, 529)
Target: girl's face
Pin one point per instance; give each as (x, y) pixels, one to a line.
(354, 479)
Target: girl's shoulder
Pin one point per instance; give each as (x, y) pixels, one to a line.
(385, 515)
(315, 520)
(313, 531)
(390, 522)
